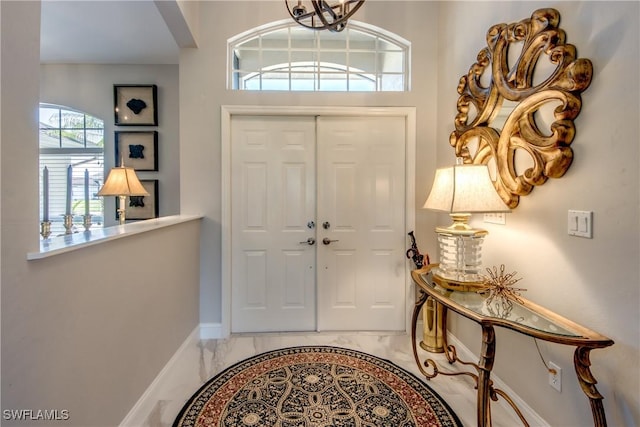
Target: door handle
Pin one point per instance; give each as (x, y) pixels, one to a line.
(328, 241)
(310, 241)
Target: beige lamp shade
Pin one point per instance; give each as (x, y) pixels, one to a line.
(464, 189)
(122, 181)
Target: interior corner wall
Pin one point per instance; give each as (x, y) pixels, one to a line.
(594, 282)
(190, 11)
(85, 331)
(203, 91)
(89, 88)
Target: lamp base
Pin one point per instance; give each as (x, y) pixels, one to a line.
(122, 209)
(460, 255)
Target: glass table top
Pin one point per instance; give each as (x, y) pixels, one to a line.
(512, 311)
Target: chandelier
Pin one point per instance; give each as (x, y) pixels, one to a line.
(322, 15)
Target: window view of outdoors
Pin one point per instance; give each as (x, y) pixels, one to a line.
(287, 57)
(71, 158)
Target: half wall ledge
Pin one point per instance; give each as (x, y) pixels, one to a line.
(71, 242)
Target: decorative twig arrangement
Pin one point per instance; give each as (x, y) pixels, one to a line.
(500, 288)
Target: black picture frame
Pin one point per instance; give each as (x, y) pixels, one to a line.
(137, 149)
(135, 105)
(142, 207)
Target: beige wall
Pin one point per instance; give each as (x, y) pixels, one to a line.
(86, 331)
(67, 342)
(203, 91)
(592, 281)
(89, 88)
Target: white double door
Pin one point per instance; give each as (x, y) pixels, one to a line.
(317, 223)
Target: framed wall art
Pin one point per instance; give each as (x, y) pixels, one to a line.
(142, 207)
(135, 105)
(137, 150)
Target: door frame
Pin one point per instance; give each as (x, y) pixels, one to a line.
(226, 113)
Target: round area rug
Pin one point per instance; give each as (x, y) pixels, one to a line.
(315, 386)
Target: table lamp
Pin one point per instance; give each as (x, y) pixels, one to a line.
(462, 190)
(122, 182)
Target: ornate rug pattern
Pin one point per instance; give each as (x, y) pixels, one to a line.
(315, 386)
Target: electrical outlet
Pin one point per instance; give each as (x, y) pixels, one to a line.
(555, 380)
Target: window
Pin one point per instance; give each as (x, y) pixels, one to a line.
(286, 56)
(71, 138)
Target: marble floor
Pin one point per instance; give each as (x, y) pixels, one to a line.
(200, 362)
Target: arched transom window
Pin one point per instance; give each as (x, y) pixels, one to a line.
(287, 57)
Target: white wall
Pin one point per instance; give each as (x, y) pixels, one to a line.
(596, 281)
(85, 331)
(89, 88)
(203, 91)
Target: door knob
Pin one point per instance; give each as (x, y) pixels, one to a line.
(327, 240)
(310, 241)
(326, 225)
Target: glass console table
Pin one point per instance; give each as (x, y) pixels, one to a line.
(524, 317)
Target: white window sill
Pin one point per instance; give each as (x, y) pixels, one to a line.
(71, 242)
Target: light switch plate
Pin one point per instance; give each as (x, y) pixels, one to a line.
(495, 218)
(580, 223)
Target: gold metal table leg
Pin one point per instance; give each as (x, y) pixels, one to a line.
(588, 384)
(422, 298)
(485, 365)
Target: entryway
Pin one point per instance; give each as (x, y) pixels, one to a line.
(317, 221)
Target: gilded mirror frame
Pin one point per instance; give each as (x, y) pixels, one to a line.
(537, 42)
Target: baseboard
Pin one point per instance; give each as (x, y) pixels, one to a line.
(209, 331)
(531, 416)
(143, 407)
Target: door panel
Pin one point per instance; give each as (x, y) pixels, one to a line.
(347, 172)
(361, 277)
(273, 199)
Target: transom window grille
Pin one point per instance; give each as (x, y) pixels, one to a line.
(71, 138)
(287, 57)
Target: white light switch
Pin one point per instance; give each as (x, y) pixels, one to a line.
(580, 223)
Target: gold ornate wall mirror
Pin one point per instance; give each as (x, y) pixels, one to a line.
(518, 102)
